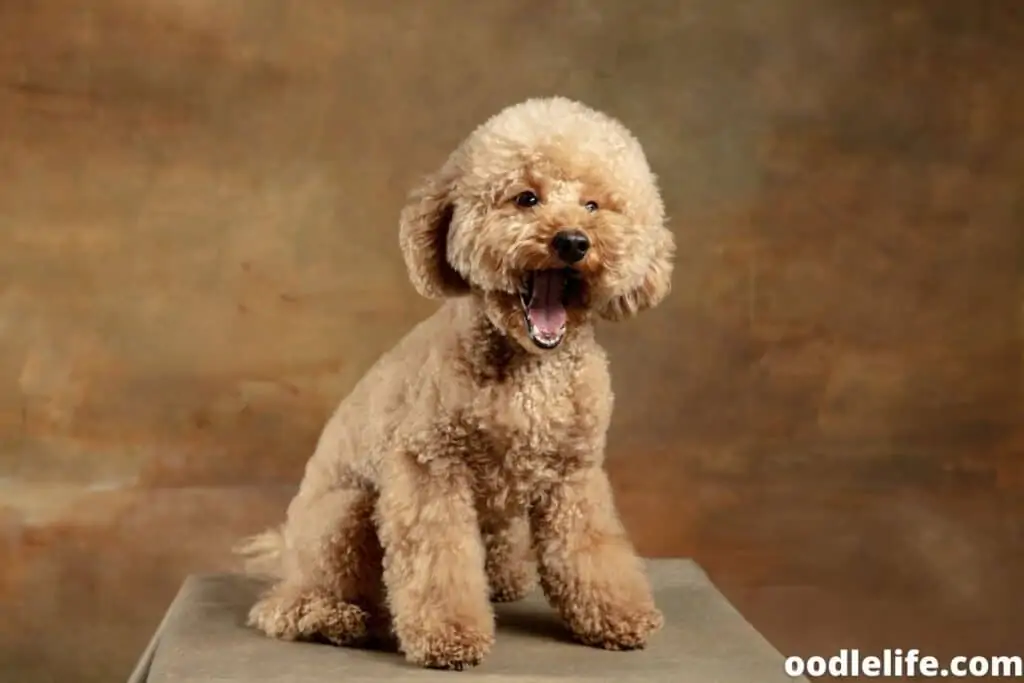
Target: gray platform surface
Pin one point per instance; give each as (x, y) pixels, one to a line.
(705, 640)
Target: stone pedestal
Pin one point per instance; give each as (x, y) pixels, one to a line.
(705, 640)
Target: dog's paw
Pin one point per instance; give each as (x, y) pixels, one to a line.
(617, 627)
(509, 592)
(338, 624)
(454, 645)
(310, 617)
(511, 584)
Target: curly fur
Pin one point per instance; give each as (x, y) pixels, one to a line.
(467, 463)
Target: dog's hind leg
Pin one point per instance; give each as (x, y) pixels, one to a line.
(330, 586)
(511, 572)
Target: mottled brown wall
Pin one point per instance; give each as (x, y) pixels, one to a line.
(198, 257)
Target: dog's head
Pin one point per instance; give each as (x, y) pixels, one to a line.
(550, 212)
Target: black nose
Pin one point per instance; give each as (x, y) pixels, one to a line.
(570, 245)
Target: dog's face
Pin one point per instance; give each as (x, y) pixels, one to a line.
(550, 213)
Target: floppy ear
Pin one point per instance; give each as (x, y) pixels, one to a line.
(653, 283)
(423, 236)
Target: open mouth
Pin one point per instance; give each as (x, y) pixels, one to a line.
(544, 297)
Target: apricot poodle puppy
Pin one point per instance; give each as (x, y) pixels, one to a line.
(468, 461)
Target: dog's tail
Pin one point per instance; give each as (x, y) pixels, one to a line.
(262, 553)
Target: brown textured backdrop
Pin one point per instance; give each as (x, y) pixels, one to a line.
(198, 257)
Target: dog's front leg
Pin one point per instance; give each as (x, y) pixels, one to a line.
(588, 568)
(434, 566)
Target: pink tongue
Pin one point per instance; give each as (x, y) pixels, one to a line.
(546, 310)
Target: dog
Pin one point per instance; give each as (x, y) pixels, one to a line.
(468, 462)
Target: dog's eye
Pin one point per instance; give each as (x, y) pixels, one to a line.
(591, 206)
(526, 199)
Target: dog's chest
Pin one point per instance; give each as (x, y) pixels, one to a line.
(533, 430)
